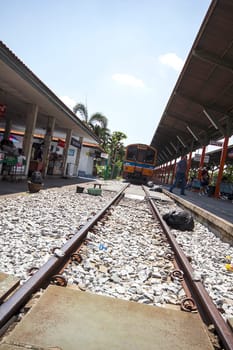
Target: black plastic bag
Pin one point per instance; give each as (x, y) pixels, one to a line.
(156, 189)
(182, 220)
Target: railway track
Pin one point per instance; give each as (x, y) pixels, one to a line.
(140, 262)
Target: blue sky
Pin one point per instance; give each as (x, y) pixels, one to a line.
(120, 57)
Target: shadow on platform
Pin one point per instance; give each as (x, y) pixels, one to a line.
(11, 187)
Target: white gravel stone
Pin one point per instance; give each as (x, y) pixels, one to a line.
(32, 224)
(208, 255)
(125, 257)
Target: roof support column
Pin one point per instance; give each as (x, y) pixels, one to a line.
(32, 113)
(201, 162)
(164, 173)
(65, 152)
(168, 171)
(173, 172)
(160, 174)
(222, 162)
(156, 175)
(77, 159)
(47, 143)
(189, 160)
(189, 164)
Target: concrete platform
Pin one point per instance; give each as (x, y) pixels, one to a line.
(158, 195)
(108, 185)
(67, 319)
(136, 193)
(219, 207)
(205, 208)
(11, 188)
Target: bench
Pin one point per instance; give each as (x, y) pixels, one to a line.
(97, 185)
(226, 189)
(196, 185)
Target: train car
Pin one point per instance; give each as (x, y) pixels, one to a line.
(139, 163)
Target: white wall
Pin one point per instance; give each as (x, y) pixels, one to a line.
(86, 162)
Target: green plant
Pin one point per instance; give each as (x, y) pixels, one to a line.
(228, 173)
(100, 170)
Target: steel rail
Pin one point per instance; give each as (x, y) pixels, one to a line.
(54, 264)
(205, 305)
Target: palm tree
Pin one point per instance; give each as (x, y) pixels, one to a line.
(111, 143)
(79, 107)
(97, 122)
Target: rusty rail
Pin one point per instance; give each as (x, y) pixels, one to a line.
(41, 277)
(206, 307)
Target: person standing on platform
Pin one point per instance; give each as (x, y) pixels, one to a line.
(180, 177)
(204, 181)
(21, 158)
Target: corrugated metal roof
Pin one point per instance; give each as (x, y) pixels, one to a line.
(34, 91)
(201, 104)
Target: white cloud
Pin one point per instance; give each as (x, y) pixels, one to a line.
(68, 101)
(129, 80)
(172, 60)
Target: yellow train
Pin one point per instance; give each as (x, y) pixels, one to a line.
(139, 163)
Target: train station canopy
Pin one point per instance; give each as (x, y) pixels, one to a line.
(20, 87)
(200, 108)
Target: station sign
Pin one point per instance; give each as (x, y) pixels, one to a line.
(216, 143)
(104, 155)
(61, 143)
(75, 143)
(197, 158)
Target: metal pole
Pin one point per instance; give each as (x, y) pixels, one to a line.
(222, 162)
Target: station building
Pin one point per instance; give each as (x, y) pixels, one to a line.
(38, 132)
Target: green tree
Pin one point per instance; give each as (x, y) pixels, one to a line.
(116, 150)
